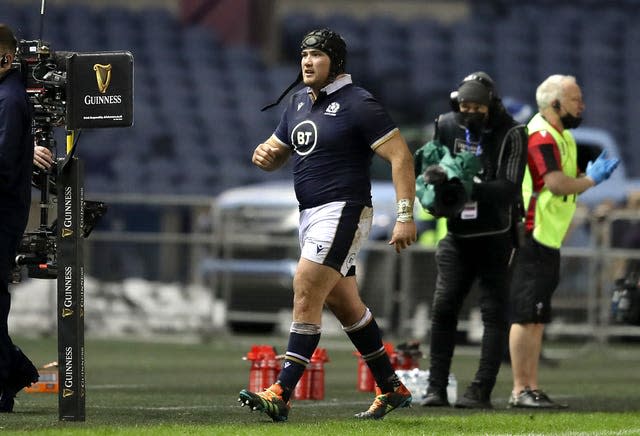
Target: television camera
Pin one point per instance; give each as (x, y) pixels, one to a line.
(75, 91)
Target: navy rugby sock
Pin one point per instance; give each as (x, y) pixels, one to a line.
(303, 340)
(366, 336)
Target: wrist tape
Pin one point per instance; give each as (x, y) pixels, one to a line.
(404, 208)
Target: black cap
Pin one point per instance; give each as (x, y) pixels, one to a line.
(331, 43)
(327, 41)
(477, 87)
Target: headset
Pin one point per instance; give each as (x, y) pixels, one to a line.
(487, 83)
(4, 61)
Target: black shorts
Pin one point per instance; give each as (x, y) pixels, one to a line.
(535, 277)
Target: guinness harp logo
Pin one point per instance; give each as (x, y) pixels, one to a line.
(67, 393)
(66, 312)
(103, 76)
(66, 232)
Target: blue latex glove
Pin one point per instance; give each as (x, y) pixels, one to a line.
(600, 169)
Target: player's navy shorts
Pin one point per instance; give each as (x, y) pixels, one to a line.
(535, 277)
(332, 234)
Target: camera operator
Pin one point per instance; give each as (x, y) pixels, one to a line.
(16, 155)
(480, 239)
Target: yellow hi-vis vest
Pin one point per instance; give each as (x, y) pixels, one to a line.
(431, 236)
(553, 213)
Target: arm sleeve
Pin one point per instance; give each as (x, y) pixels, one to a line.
(373, 121)
(507, 186)
(544, 156)
(282, 131)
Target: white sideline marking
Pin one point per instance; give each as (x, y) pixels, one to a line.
(297, 405)
(580, 433)
(161, 408)
(97, 387)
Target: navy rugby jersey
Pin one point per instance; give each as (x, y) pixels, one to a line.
(333, 140)
(16, 152)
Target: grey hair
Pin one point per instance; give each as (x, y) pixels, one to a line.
(552, 89)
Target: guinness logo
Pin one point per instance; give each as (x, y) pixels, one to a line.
(67, 393)
(66, 312)
(66, 232)
(103, 76)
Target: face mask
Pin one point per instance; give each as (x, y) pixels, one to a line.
(473, 121)
(570, 122)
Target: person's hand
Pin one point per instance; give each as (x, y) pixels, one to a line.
(42, 157)
(264, 156)
(435, 175)
(404, 234)
(600, 169)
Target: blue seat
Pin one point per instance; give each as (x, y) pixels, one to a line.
(241, 76)
(471, 48)
(12, 15)
(201, 176)
(385, 29)
(242, 57)
(158, 24)
(388, 62)
(352, 30)
(429, 60)
(293, 26)
(120, 24)
(127, 174)
(100, 145)
(347, 25)
(99, 184)
(425, 29)
(238, 172)
(278, 78)
(555, 57)
(514, 60)
(196, 39)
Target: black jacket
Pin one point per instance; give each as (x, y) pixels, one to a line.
(498, 189)
(16, 153)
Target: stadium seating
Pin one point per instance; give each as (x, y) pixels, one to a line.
(197, 100)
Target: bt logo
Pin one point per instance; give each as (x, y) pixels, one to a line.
(304, 137)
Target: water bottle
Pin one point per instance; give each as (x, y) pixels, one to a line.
(452, 389)
(416, 381)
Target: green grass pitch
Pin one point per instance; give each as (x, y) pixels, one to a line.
(142, 388)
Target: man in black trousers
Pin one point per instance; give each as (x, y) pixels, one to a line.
(16, 167)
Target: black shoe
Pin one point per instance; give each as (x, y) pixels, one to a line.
(475, 397)
(436, 397)
(534, 399)
(23, 374)
(6, 401)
